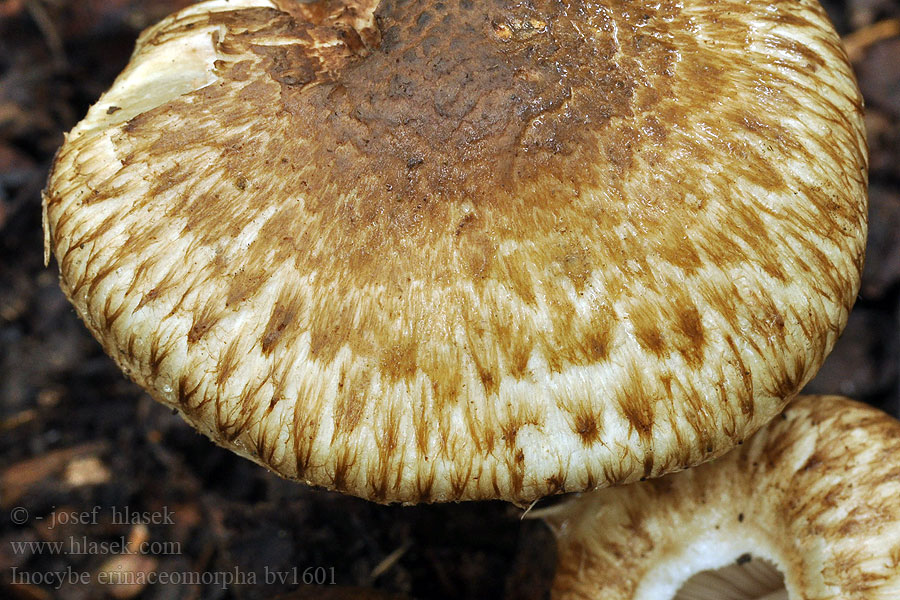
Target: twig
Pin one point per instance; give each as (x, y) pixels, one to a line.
(859, 42)
(48, 30)
(389, 561)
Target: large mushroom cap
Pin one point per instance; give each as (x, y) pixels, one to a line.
(814, 493)
(457, 250)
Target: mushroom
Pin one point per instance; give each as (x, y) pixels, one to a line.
(444, 250)
(813, 495)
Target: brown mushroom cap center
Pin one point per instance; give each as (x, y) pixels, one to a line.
(477, 101)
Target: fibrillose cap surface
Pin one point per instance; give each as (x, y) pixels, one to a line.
(431, 251)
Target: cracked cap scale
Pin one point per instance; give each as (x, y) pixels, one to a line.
(430, 251)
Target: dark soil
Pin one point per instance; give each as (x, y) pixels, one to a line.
(75, 434)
